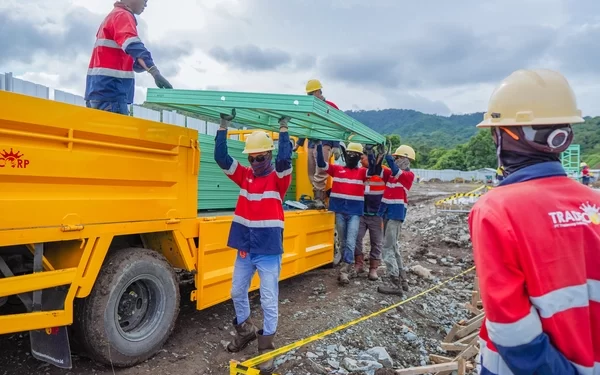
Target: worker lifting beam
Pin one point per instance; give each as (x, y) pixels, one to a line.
(310, 117)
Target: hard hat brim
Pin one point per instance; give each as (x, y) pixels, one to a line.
(507, 122)
(257, 150)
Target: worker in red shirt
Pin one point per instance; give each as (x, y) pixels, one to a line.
(257, 230)
(536, 237)
(346, 200)
(585, 174)
(373, 223)
(117, 54)
(318, 177)
(394, 205)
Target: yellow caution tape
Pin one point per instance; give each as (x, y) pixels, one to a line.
(247, 366)
(471, 194)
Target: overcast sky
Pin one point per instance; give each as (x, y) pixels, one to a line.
(435, 56)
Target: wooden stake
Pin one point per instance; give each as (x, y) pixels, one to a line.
(430, 368)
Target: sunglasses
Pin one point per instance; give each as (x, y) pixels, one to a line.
(258, 158)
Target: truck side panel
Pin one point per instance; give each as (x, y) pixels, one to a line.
(308, 244)
(74, 166)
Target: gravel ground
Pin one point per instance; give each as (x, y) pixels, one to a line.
(436, 246)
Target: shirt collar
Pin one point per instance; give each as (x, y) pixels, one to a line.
(533, 172)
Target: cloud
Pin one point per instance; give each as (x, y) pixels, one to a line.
(23, 38)
(250, 57)
(443, 56)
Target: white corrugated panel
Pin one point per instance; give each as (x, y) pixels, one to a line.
(173, 118)
(211, 128)
(194, 123)
(30, 88)
(65, 97)
(2, 87)
(146, 113)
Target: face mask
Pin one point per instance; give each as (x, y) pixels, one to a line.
(352, 161)
(402, 163)
(522, 146)
(261, 166)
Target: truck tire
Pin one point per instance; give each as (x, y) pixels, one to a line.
(337, 251)
(131, 310)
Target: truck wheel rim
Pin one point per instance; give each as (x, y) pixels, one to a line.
(140, 308)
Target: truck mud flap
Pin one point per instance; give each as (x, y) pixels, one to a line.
(51, 345)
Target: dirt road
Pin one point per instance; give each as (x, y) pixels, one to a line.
(313, 302)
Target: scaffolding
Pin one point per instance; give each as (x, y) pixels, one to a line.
(570, 159)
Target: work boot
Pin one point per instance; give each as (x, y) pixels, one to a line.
(393, 289)
(359, 264)
(344, 277)
(373, 266)
(405, 285)
(265, 345)
(404, 279)
(245, 334)
(319, 200)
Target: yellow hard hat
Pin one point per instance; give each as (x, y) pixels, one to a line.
(313, 85)
(258, 141)
(583, 165)
(532, 97)
(406, 151)
(355, 147)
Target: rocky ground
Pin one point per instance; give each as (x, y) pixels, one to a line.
(436, 246)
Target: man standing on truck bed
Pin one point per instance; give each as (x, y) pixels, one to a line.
(318, 177)
(257, 229)
(536, 237)
(118, 52)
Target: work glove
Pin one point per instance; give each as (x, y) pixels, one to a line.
(381, 149)
(336, 153)
(161, 82)
(226, 119)
(283, 122)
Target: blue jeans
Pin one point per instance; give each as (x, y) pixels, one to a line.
(114, 106)
(347, 228)
(269, 268)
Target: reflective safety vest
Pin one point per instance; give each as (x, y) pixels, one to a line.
(374, 188)
(538, 265)
(258, 219)
(110, 74)
(348, 189)
(395, 197)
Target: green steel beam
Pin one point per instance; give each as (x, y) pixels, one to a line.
(311, 117)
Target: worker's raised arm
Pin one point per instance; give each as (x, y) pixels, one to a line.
(232, 168)
(126, 36)
(512, 323)
(330, 169)
(283, 164)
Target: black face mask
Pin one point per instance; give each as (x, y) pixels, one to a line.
(352, 161)
(534, 145)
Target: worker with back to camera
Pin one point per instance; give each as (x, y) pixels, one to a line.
(346, 200)
(257, 229)
(118, 54)
(536, 237)
(394, 204)
(317, 177)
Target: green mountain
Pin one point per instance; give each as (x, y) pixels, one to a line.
(454, 142)
(421, 128)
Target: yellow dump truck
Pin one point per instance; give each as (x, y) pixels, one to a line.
(98, 210)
